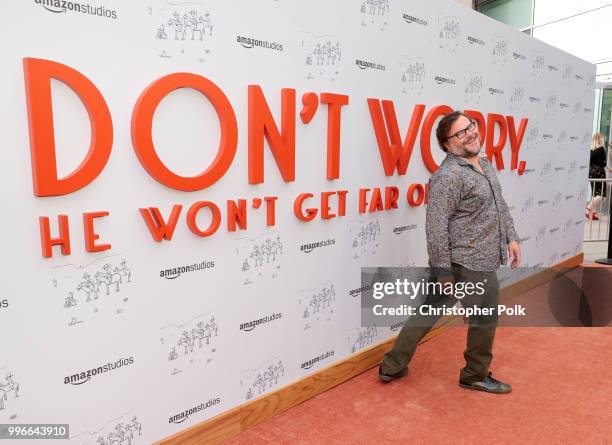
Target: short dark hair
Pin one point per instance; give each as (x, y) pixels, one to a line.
(445, 125)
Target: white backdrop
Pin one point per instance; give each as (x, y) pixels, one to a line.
(179, 341)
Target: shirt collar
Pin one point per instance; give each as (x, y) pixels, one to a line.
(461, 161)
(457, 158)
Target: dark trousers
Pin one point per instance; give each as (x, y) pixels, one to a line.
(481, 332)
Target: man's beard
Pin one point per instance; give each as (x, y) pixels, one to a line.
(466, 153)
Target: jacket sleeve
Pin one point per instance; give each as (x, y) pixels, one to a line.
(443, 195)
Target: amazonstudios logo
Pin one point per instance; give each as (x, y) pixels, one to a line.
(184, 415)
(85, 376)
(176, 271)
(64, 6)
(250, 43)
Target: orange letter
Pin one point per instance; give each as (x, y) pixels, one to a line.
(335, 103)
(236, 214)
(38, 74)
(363, 199)
(480, 120)
(394, 154)
(45, 236)
(516, 138)
(261, 123)
(297, 208)
(193, 213)
(342, 202)
(391, 195)
(90, 235)
(376, 204)
(270, 210)
(325, 210)
(492, 148)
(420, 195)
(430, 119)
(142, 138)
(156, 224)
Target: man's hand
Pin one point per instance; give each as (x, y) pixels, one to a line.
(514, 252)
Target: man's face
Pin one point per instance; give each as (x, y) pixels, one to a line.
(469, 145)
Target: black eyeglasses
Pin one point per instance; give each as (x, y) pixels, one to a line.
(461, 133)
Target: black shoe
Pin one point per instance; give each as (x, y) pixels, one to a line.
(488, 384)
(390, 377)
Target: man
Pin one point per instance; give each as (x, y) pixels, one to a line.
(470, 232)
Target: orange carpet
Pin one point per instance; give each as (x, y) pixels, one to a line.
(562, 394)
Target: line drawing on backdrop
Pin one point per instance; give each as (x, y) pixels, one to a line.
(364, 235)
(527, 206)
(449, 33)
(576, 109)
(562, 139)
(186, 343)
(93, 288)
(537, 66)
(122, 430)
(9, 389)
(414, 74)
(551, 105)
(590, 83)
(567, 76)
(189, 25)
(541, 236)
(375, 12)
(184, 31)
(571, 170)
(260, 257)
(531, 140)
(568, 227)
(500, 51)
(259, 380)
(364, 336)
(473, 88)
(546, 173)
(586, 137)
(318, 304)
(556, 202)
(321, 54)
(517, 98)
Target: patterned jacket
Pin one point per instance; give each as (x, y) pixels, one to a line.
(464, 212)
